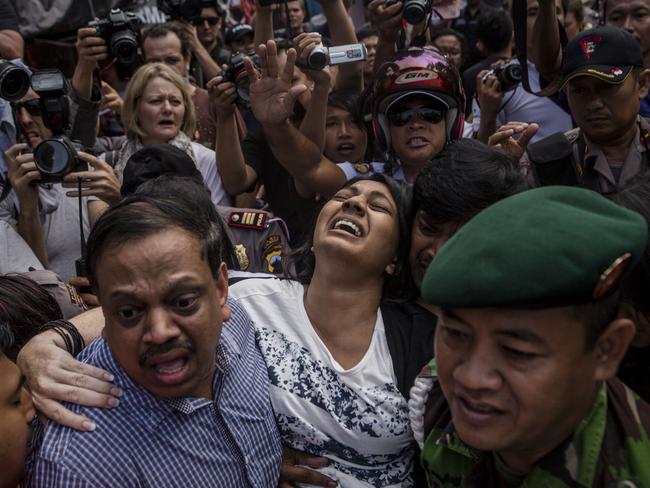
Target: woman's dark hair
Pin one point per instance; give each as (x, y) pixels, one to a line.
(6, 338)
(25, 306)
(463, 179)
(636, 196)
(302, 262)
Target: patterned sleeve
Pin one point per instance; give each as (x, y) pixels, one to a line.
(48, 473)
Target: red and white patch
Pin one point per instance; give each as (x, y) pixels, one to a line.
(617, 71)
(589, 44)
(416, 76)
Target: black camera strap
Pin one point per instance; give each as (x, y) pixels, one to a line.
(519, 14)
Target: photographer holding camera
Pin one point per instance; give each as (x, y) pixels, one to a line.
(47, 216)
(499, 100)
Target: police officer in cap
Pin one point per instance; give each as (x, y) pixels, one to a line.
(604, 80)
(522, 390)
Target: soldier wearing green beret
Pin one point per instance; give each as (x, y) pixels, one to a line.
(522, 390)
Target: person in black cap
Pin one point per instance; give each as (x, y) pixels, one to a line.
(240, 38)
(260, 241)
(604, 80)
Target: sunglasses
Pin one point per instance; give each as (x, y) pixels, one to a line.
(431, 115)
(210, 20)
(32, 106)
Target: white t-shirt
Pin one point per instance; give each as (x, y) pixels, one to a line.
(15, 254)
(206, 163)
(357, 418)
(60, 220)
(520, 106)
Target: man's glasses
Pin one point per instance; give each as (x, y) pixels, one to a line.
(32, 106)
(210, 20)
(431, 115)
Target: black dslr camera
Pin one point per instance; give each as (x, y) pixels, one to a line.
(181, 9)
(121, 31)
(14, 81)
(57, 156)
(236, 73)
(509, 75)
(413, 11)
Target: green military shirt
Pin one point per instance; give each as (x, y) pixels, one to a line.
(609, 447)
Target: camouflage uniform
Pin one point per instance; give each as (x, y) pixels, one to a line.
(610, 448)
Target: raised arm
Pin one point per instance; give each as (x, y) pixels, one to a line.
(236, 175)
(544, 41)
(208, 65)
(263, 24)
(272, 101)
(350, 76)
(388, 22)
(313, 123)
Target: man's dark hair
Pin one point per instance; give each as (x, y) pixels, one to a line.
(212, 4)
(157, 31)
(494, 30)
(596, 316)
(635, 196)
(466, 177)
(192, 193)
(25, 306)
(366, 30)
(139, 216)
(6, 338)
(436, 33)
(400, 286)
(350, 101)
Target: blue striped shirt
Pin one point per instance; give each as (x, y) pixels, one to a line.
(147, 441)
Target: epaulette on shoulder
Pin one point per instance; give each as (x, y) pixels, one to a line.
(249, 219)
(362, 168)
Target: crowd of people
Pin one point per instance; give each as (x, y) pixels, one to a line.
(226, 263)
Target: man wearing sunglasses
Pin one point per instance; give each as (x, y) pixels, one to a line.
(208, 30)
(47, 216)
(417, 105)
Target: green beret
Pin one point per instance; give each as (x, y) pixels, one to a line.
(547, 247)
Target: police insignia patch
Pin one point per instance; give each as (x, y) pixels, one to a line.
(611, 276)
(273, 254)
(248, 220)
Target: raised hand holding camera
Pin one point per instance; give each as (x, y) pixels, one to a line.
(23, 176)
(121, 32)
(224, 95)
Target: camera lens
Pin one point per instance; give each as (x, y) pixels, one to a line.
(415, 11)
(52, 157)
(513, 73)
(124, 46)
(14, 81)
(317, 58)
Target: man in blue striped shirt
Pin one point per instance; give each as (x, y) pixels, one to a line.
(195, 408)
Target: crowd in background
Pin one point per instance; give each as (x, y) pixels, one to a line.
(317, 242)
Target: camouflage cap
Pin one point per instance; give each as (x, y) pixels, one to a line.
(551, 246)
